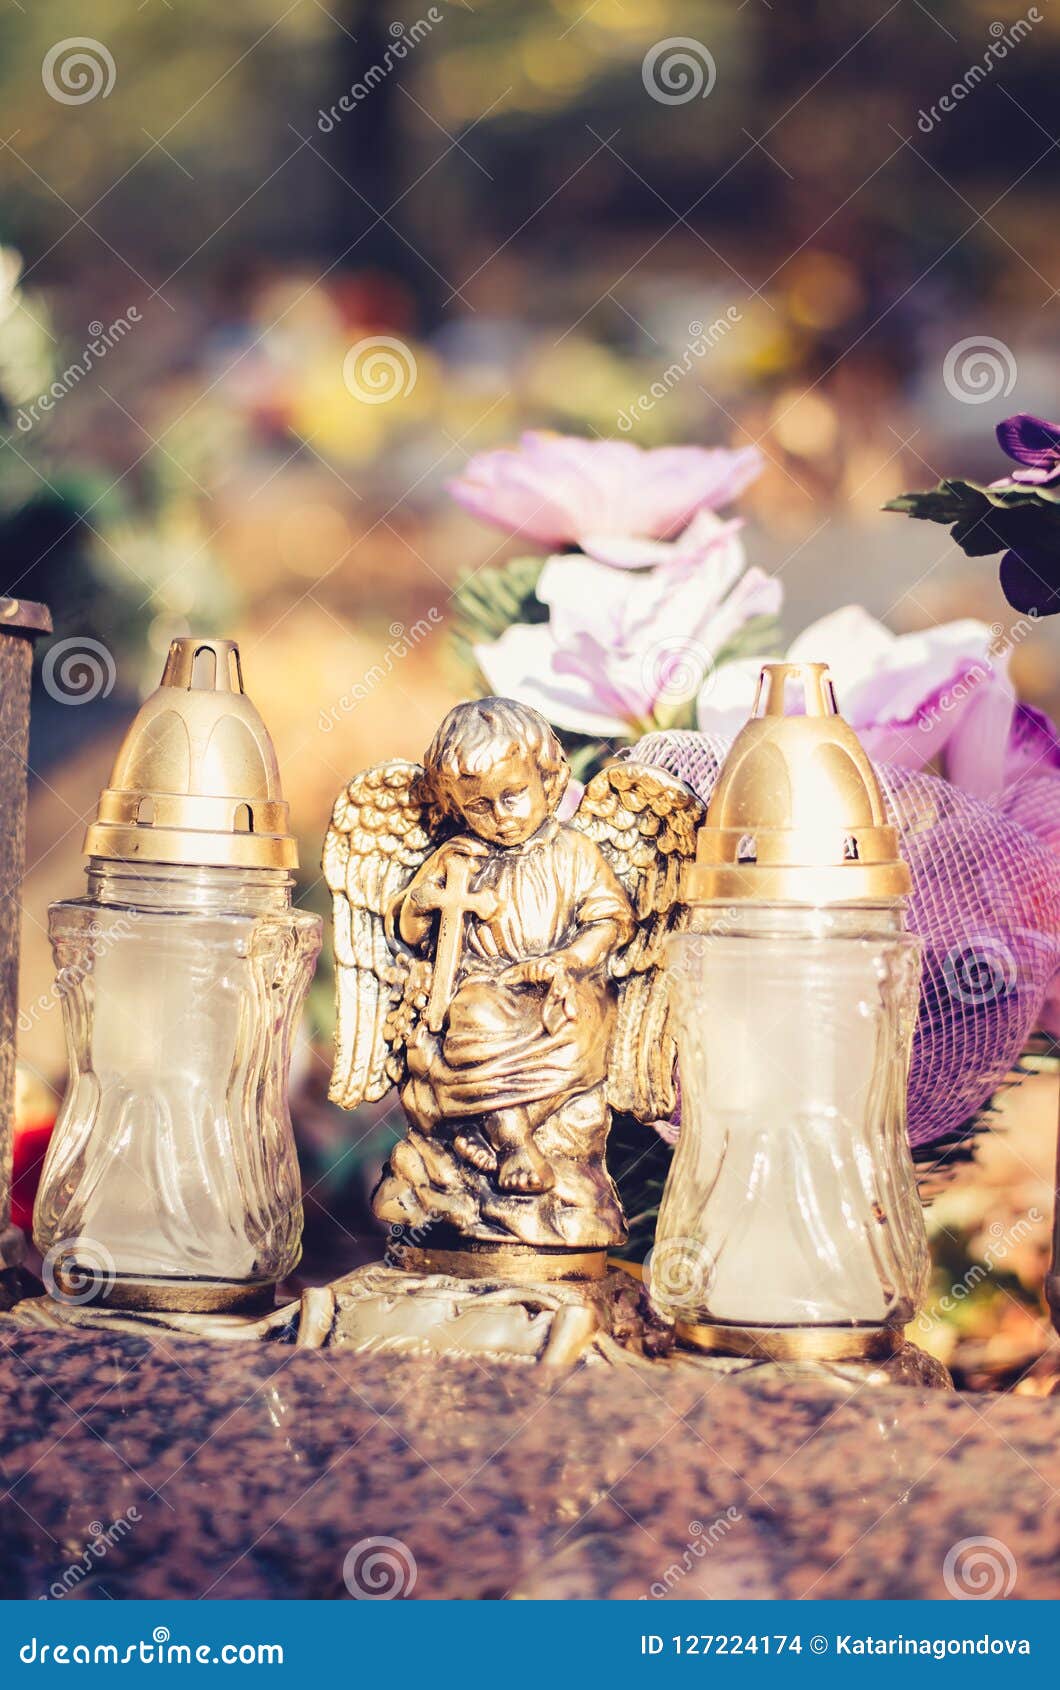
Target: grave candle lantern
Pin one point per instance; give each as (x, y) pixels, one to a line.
(172, 1181)
(790, 1227)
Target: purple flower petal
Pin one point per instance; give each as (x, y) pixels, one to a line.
(1030, 440)
(1033, 745)
(1031, 582)
(556, 489)
(1036, 477)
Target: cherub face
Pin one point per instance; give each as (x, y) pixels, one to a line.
(506, 805)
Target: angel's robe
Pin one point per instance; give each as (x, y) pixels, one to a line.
(496, 1052)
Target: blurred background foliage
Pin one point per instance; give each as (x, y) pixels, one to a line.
(511, 203)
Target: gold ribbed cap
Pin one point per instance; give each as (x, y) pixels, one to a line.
(196, 780)
(797, 815)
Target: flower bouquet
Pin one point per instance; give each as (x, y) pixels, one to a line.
(644, 625)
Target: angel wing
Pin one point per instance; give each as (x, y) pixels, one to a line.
(644, 821)
(377, 839)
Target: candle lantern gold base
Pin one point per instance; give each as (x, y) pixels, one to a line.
(873, 1355)
(506, 1303)
(188, 1297)
(279, 1325)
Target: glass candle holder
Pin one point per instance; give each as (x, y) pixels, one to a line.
(172, 1180)
(172, 1170)
(790, 1226)
(792, 1200)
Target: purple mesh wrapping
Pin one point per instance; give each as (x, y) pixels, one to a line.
(986, 902)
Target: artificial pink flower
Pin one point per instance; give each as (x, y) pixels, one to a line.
(624, 652)
(556, 490)
(944, 693)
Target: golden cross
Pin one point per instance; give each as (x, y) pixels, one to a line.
(453, 901)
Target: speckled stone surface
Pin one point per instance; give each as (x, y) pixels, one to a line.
(253, 1470)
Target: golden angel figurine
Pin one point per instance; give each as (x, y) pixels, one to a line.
(501, 968)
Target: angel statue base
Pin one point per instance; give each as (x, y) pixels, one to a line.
(501, 969)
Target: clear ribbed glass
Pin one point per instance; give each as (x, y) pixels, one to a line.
(173, 1157)
(791, 1200)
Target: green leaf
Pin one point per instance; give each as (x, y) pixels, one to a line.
(487, 601)
(984, 520)
(760, 637)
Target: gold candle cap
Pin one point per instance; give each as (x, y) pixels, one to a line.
(196, 780)
(797, 815)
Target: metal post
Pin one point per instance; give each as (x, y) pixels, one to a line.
(20, 624)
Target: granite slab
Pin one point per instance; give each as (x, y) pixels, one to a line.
(136, 1467)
